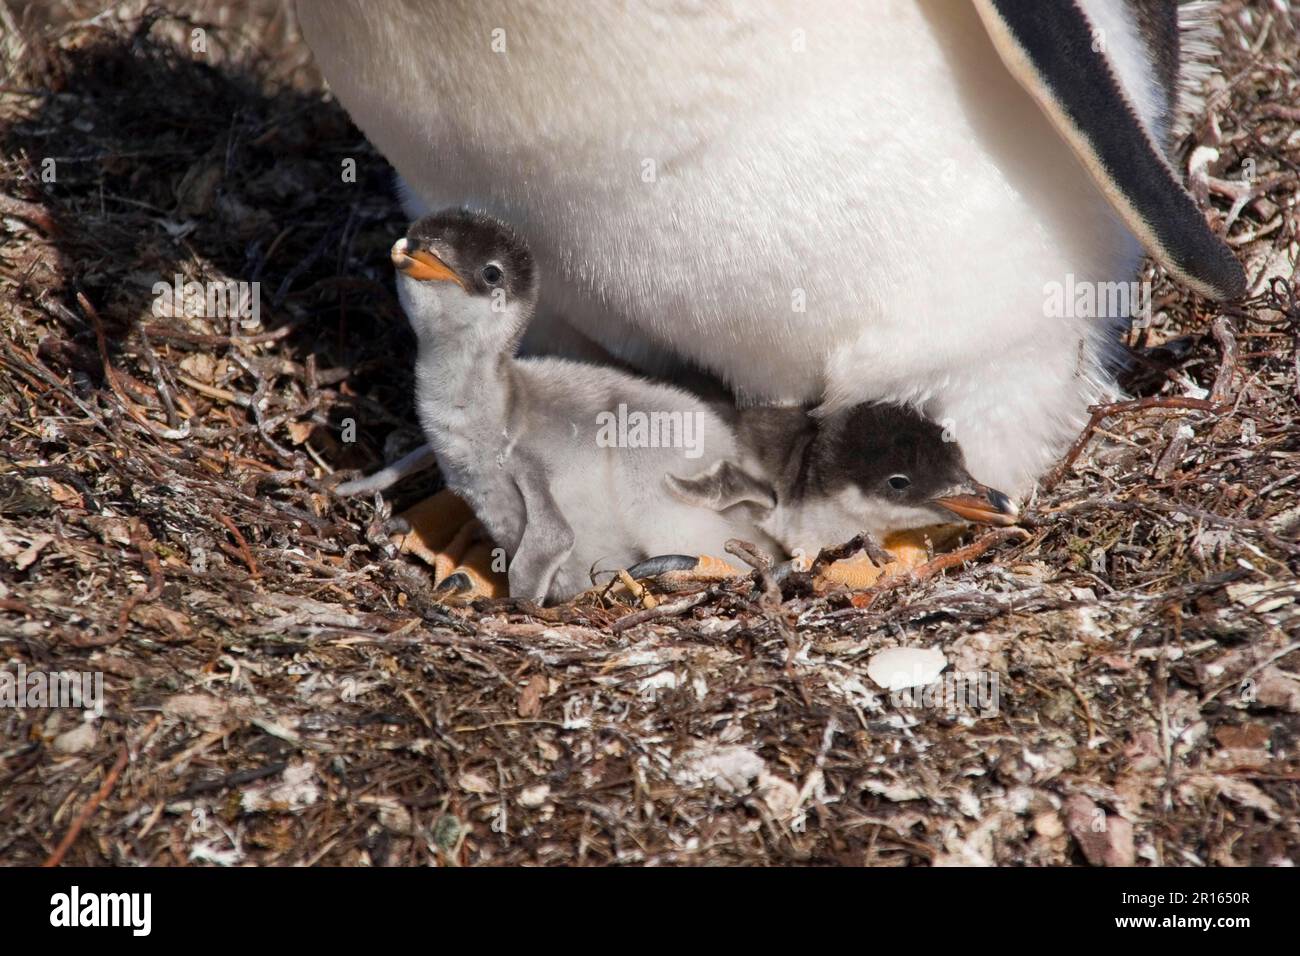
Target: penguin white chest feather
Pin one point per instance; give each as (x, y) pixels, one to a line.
(842, 202)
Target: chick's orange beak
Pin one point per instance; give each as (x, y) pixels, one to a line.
(980, 504)
(422, 264)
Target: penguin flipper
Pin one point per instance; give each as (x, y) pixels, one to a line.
(721, 486)
(546, 543)
(675, 573)
(1048, 47)
(418, 460)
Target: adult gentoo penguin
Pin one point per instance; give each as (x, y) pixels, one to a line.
(857, 200)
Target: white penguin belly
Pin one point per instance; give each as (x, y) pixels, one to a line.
(853, 201)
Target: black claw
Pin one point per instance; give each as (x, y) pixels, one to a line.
(454, 584)
(397, 525)
(786, 568)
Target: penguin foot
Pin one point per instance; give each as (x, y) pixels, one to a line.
(443, 533)
(908, 549)
(856, 573)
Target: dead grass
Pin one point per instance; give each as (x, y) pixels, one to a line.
(282, 690)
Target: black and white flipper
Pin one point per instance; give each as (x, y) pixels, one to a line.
(1049, 48)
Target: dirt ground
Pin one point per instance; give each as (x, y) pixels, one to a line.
(281, 688)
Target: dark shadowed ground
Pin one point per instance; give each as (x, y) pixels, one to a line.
(279, 688)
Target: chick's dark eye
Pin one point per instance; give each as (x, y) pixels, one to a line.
(899, 482)
(492, 274)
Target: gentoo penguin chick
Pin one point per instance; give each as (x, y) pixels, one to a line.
(879, 468)
(524, 441)
(541, 449)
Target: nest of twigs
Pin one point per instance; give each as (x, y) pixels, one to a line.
(279, 687)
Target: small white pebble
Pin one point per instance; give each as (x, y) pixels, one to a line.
(897, 668)
(77, 740)
(533, 797)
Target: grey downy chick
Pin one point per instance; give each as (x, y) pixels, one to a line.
(557, 459)
(879, 468)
